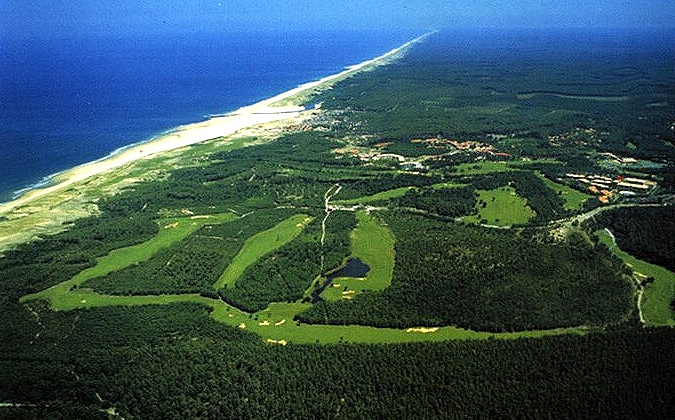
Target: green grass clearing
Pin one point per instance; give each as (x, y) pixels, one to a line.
(171, 231)
(373, 243)
(482, 168)
(393, 193)
(502, 207)
(371, 240)
(276, 323)
(261, 244)
(574, 200)
(656, 297)
(486, 167)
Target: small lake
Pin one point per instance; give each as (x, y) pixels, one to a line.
(354, 268)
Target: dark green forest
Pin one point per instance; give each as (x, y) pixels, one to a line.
(645, 232)
(173, 362)
(493, 280)
(527, 113)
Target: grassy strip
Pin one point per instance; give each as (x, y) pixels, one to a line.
(261, 244)
(486, 167)
(276, 324)
(171, 232)
(503, 207)
(656, 298)
(481, 168)
(394, 193)
(381, 196)
(574, 200)
(373, 243)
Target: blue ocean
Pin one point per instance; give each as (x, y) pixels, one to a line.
(71, 100)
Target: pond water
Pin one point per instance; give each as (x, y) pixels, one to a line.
(354, 268)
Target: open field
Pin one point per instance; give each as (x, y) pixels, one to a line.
(381, 196)
(574, 199)
(481, 168)
(658, 295)
(297, 333)
(261, 244)
(63, 295)
(373, 243)
(391, 194)
(503, 207)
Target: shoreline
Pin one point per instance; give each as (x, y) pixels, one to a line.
(266, 111)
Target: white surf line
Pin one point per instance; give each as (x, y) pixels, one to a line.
(186, 135)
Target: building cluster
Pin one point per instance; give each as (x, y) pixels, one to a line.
(578, 136)
(368, 155)
(619, 159)
(606, 188)
(467, 145)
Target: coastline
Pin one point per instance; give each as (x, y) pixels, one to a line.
(53, 204)
(269, 110)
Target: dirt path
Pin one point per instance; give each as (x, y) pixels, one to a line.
(327, 208)
(592, 213)
(640, 287)
(330, 193)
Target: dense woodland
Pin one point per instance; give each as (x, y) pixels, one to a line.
(645, 232)
(193, 265)
(174, 361)
(487, 279)
(284, 275)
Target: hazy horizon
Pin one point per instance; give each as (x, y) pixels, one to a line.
(26, 19)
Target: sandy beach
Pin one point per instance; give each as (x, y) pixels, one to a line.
(73, 194)
(181, 137)
(267, 111)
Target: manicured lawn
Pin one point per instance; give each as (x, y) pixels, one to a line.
(574, 199)
(502, 207)
(261, 244)
(393, 193)
(658, 295)
(373, 243)
(486, 167)
(276, 323)
(481, 168)
(381, 196)
(171, 231)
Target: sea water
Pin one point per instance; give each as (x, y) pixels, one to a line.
(71, 100)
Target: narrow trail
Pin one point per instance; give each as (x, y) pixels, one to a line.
(37, 320)
(641, 291)
(592, 213)
(330, 193)
(640, 288)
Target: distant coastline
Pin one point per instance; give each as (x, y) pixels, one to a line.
(279, 107)
(73, 100)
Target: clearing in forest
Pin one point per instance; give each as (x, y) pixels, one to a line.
(67, 295)
(393, 193)
(658, 294)
(573, 199)
(261, 244)
(373, 243)
(501, 207)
